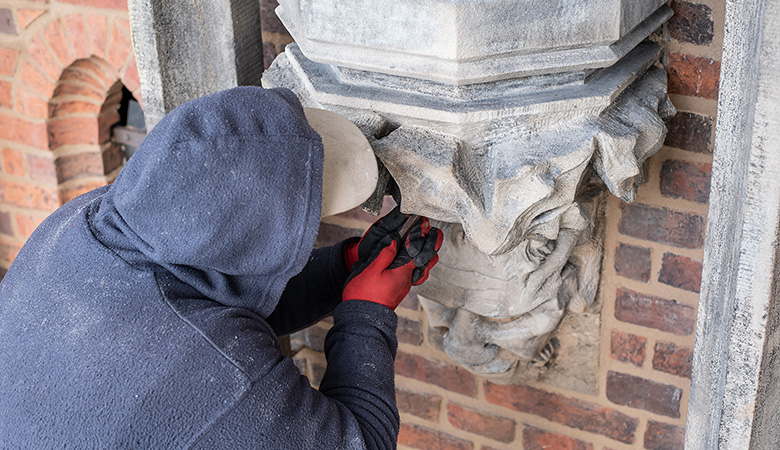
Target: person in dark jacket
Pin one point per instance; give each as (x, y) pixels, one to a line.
(145, 314)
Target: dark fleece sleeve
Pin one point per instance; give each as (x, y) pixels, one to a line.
(354, 408)
(313, 293)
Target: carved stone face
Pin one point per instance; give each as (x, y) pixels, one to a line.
(503, 163)
(493, 314)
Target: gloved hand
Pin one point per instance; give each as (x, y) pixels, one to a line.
(382, 273)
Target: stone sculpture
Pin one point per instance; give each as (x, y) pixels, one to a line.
(510, 166)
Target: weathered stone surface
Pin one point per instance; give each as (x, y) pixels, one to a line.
(506, 167)
(185, 50)
(450, 41)
(735, 394)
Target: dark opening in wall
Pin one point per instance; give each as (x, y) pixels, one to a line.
(131, 128)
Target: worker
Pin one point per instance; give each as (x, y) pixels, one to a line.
(145, 314)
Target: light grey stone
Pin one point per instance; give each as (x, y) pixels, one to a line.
(505, 168)
(185, 50)
(735, 390)
(457, 42)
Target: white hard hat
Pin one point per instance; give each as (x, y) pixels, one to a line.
(350, 173)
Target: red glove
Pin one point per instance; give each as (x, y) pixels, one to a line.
(384, 275)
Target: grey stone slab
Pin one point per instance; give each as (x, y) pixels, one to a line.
(735, 392)
(185, 50)
(460, 43)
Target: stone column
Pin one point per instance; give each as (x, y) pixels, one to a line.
(503, 121)
(735, 391)
(185, 50)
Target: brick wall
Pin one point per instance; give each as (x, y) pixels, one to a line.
(59, 65)
(62, 67)
(649, 292)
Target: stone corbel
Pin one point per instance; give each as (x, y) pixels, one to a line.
(512, 168)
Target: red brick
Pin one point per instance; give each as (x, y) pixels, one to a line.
(105, 123)
(90, 70)
(119, 46)
(409, 331)
(73, 130)
(111, 4)
(269, 54)
(27, 196)
(633, 262)
(640, 393)
(497, 428)
(78, 166)
(662, 225)
(425, 406)
(9, 250)
(7, 24)
(13, 163)
(654, 312)
(6, 101)
(317, 372)
(689, 131)
(96, 27)
(627, 347)
(58, 41)
(42, 169)
(536, 439)
(43, 57)
(130, 78)
(26, 16)
(568, 411)
(680, 272)
(662, 436)
(31, 104)
(5, 224)
(693, 75)
(423, 438)
(269, 21)
(77, 35)
(448, 376)
(113, 157)
(692, 22)
(71, 192)
(88, 78)
(411, 302)
(8, 59)
(36, 81)
(670, 358)
(91, 91)
(26, 224)
(311, 337)
(23, 131)
(686, 180)
(82, 107)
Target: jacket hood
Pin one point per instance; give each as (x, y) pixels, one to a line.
(224, 193)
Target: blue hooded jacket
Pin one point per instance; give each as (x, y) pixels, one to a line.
(144, 314)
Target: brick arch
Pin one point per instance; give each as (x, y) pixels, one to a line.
(59, 44)
(83, 108)
(68, 87)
